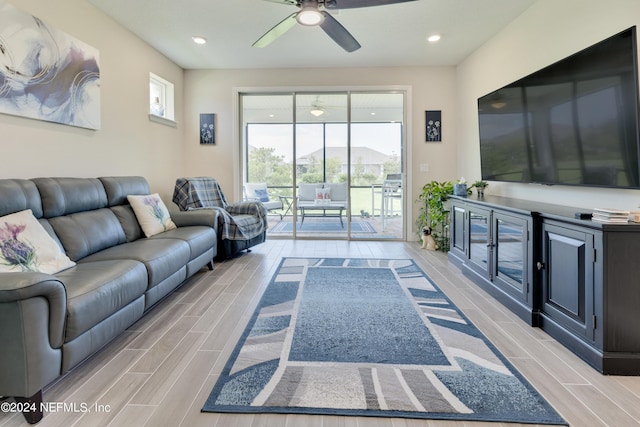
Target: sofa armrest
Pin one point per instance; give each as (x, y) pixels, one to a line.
(203, 216)
(249, 208)
(18, 287)
(32, 314)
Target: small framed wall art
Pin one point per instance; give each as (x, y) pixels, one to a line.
(433, 124)
(208, 128)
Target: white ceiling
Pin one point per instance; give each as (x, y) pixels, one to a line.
(391, 35)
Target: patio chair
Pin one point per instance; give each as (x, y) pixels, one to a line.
(391, 191)
(258, 192)
(239, 226)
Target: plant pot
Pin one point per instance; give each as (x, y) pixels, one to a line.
(460, 190)
(480, 192)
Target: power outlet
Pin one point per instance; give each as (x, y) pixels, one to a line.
(424, 167)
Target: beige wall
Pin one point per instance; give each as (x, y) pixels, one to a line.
(549, 31)
(212, 91)
(127, 143)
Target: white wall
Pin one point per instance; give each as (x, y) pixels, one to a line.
(127, 143)
(212, 91)
(549, 31)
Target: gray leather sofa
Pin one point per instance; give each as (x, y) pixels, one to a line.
(50, 323)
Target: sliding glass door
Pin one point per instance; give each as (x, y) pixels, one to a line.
(377, 159)
(321, 142)
(332, 162)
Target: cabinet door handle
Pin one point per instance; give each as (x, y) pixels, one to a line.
(539, 266)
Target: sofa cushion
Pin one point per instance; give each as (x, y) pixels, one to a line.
(128, 221)
(307, 192)
(63, 196)
(199, 238)
(26, 246)
(119, 187)
(18, 195)
(338, 191)
(152, 214)
(161, 257)
(85, 233)
(96, 290)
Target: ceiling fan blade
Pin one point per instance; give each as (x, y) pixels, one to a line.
(285, 25)
(352, 4)
(338, 33)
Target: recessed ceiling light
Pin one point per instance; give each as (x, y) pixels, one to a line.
(433, 38)
(199, 40)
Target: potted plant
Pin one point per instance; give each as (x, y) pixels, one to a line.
(480, 186)
(434, 211)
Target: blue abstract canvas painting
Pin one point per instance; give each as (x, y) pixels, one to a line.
(45, 73)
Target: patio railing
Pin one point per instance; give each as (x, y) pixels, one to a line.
(368, 199)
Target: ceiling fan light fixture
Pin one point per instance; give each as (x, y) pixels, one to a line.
(498, 105)
(317, 112)
(309, 15)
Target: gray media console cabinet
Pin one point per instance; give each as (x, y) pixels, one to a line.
(578, 280)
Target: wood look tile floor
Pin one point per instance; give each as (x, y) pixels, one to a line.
(161, 370)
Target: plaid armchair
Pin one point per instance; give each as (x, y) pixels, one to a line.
(240, 225)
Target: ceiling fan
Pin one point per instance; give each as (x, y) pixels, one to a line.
(314, 12)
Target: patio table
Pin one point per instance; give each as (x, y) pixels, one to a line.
(307, 209)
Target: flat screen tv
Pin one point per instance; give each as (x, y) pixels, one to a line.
(574, 122)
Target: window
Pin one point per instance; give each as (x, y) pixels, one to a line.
(356, 138)
(161, 108)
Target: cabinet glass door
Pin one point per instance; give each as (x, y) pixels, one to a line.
(458, 230)
(510, 236)
(479, 237)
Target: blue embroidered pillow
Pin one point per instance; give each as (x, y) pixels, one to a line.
(25, 245)
(151, 213)
(262, 195)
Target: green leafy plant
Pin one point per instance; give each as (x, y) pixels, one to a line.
(480, 184)
(434, 211)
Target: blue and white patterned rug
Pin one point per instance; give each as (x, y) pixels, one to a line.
(369, 337)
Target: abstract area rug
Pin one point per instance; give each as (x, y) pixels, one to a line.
(324, 227)
(369, 337)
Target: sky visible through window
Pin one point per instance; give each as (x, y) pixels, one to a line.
(383, 137)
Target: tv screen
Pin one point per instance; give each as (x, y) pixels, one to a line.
(574, 122)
